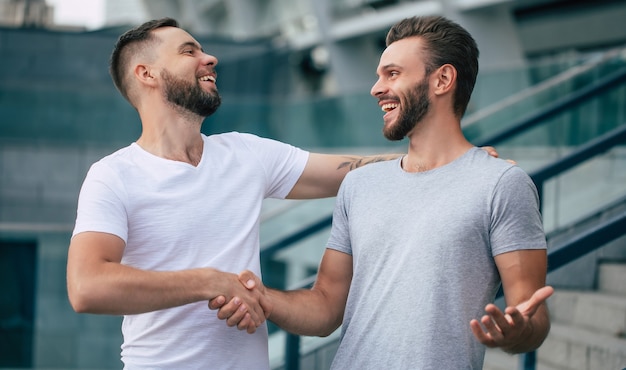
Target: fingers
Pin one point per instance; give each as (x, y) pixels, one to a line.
(248, 308)
(241, 317)
(236, 313)
(490, 150)
(247, 324)
(248, 279)
(217, 302)
(496, 316)
(253, 282)
(498, 324)
(480, 334)
(540, 296)
(529, 307)
(229, 309)
(493, 328)
(257, 312)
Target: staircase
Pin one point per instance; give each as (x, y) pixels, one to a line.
(588, 327)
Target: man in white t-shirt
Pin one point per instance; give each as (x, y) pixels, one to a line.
(163, 223)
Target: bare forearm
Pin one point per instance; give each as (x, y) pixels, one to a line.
(352, 162)
(304, 312)
(118, 289)
(324, 173)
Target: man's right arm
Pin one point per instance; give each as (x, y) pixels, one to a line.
(314, 312)
(324, 173)
(97, 282)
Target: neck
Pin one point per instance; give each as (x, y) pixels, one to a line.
(173, 136)
(434, 144)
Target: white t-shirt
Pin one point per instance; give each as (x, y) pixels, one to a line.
(175, 216)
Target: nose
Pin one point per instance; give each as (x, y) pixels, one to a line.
(210, 60)
(377, 89)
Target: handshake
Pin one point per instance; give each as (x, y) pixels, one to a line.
(247, 305)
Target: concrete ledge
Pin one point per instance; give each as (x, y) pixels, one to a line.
(611, 277)
(573, 348)
(598, 312)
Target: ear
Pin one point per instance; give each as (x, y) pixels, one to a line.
(445, 79)
(144, 75)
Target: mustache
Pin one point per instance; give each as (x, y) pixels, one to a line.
(387, 97)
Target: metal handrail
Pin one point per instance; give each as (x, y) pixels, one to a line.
(267, 252)
(560, 105)
(567, 75)
(586, 151)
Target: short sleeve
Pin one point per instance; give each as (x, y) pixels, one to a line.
(516, 221)
(100, 203)
(283, 163)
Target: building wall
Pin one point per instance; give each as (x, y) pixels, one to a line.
(59, 113)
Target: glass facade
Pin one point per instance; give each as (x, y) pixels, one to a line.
(59, 114)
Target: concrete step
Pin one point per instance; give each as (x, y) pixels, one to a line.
(567, 348)
(596, 311)
(612, 277)
(496, 359)
(571, 348)
(588, 332)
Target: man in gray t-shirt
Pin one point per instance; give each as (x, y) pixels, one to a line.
(420, 245)
(423, 263)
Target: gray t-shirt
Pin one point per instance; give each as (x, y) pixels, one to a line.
(423, 246)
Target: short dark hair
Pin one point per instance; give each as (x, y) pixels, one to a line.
(447, 43)
(132, 41)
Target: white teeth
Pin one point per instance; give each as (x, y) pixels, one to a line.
(207, 78)
(389, 107)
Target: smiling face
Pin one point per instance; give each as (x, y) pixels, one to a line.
(188, 74)
(402, 87)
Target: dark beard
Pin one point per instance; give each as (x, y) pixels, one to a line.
(413, 109)
(190, 96)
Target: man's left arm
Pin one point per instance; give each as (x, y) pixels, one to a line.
(525, 322)
(324, 173)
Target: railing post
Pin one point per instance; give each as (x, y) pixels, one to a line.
(292, 352)
(527, 360)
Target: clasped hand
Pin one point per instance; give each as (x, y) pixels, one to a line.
(246, 313)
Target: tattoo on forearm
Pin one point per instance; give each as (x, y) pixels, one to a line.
(356, 162)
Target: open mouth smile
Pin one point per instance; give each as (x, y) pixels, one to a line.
(208, 78)
(389, 107)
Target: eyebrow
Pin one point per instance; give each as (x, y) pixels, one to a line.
(391, 66)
